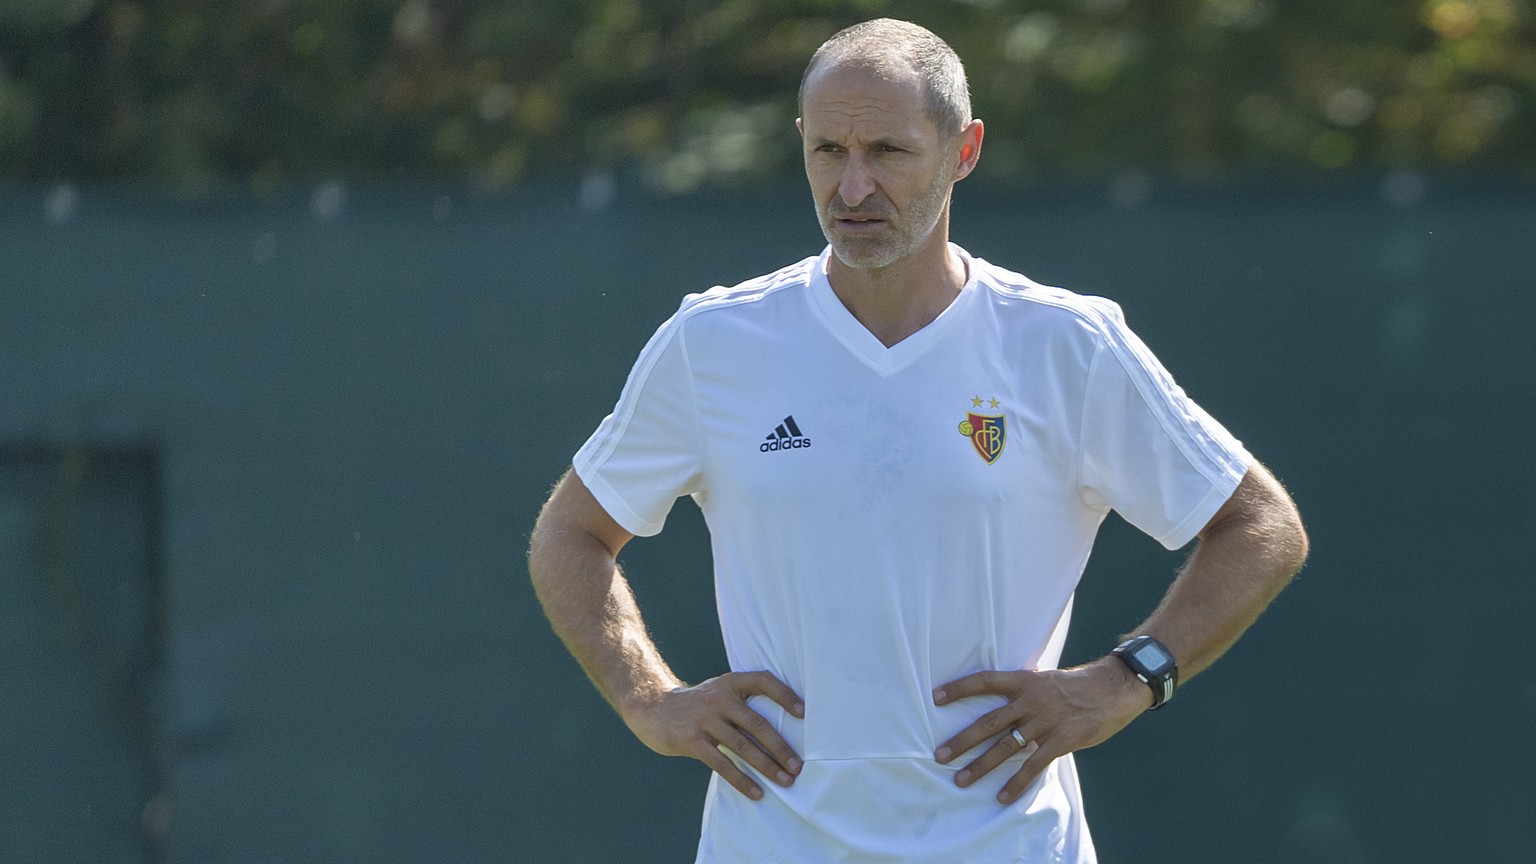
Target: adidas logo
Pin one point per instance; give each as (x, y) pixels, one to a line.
(786, 437)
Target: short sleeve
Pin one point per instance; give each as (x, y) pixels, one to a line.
(1148, 451)
(646, 454)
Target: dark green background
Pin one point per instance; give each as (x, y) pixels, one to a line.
(353, 412)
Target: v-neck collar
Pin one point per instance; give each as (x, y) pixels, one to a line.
(861, 343)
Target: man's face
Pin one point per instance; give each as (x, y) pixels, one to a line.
(879, 169)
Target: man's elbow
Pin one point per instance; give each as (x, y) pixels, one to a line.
(1283, 530)
(1262, 521)
(572, 528)
(1297, 544)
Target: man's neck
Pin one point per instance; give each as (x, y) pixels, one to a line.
(896, 301)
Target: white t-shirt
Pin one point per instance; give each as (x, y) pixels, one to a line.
(884, 520)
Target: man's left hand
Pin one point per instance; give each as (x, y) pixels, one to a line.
(1057, 710)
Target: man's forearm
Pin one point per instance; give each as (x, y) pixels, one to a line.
(1245, 557)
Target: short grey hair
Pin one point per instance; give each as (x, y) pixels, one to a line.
(885, 44)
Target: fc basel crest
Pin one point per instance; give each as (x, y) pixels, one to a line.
(988, 433)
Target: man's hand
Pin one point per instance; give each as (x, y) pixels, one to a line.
(698, 721)
(1058, 710)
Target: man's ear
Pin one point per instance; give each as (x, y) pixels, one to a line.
(969, 148)
(800, 126)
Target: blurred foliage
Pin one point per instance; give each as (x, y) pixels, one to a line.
(684, 92)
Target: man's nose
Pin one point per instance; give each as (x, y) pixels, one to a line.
(855, 183)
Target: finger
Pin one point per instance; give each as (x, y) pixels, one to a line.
(752, 753)
(973, 684)
(1001, 750)
(767, 684)
(771, 754)
(768, 738)
(988, 725)
(720, 763)
(1037, 762)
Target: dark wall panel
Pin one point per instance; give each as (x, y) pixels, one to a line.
(360, 408)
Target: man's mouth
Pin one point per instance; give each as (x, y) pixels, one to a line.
(860, 223)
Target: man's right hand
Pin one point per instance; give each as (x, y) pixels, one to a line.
(699, 721)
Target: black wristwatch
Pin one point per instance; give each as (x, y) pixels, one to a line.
(1153, 663)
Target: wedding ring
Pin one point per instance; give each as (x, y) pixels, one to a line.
(1019, 737)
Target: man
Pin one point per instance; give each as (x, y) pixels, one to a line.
(903, 454)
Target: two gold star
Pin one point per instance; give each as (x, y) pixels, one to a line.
(976, 402)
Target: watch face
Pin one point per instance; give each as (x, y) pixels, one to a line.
(1156, 659)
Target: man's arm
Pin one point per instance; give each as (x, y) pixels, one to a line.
(1247, 553)
(572, 561)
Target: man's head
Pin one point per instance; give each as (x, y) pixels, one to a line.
(885, 118)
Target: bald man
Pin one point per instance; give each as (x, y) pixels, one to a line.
(903, 454)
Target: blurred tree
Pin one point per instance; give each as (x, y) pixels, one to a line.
(41, 15)
(685, 92)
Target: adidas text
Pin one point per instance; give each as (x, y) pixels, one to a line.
(784, 444)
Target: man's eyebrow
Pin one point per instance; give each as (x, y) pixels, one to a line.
(873, 144)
